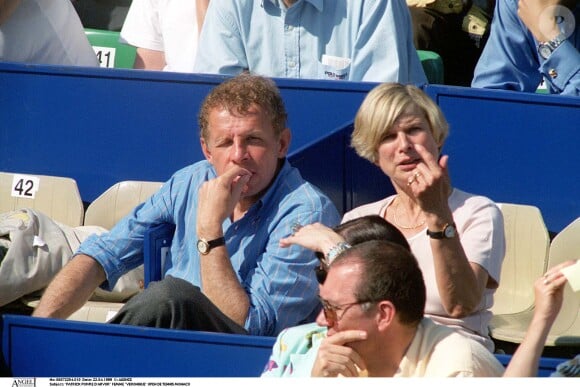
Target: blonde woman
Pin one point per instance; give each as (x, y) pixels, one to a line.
(457, 237)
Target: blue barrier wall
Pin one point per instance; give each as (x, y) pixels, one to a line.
(515, 147)
(37, 347)
(100, 126)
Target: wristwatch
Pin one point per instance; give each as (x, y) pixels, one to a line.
(545, 49)
(449, 231)
(205, 246)
(336, 250)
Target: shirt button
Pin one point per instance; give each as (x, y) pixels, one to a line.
(553, 73)
(291, 64)
(289, 28)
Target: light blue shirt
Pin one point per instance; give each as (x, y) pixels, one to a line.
(262, 36)
(295, 350)
(511, 61)
(280, 281)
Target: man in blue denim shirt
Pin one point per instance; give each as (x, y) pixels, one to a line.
(532, 40)
(227, 271)
(349, 40)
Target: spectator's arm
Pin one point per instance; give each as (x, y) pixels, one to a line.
(384, 49)
(220, 49)
(509, 60)
(71, 288)
(562, 69)
(549, 293)
(149, 59)
(201, 10)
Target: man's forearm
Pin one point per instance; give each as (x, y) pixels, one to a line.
(71, 288)
(222, 287)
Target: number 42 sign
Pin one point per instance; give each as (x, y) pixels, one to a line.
(25, 186)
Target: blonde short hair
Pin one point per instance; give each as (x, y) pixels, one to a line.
(382, 106)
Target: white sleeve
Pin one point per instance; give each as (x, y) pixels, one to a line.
(142, 26)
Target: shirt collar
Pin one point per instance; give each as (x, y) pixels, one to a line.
(318, 4)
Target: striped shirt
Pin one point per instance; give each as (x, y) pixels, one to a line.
(280, 282)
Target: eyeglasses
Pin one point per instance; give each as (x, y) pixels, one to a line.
(322, 270)
(331, 311)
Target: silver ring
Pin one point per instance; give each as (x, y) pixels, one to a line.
(296, 227)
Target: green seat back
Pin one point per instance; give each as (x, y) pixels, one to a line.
(109, 50)
(432, 65)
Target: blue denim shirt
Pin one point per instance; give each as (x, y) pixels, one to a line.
(510, 59)
(264, 37)
(279, 281)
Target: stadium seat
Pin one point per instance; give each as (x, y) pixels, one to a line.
(105, 211)
(527, 244)
(566, 328)
(565, 331)
(57, 197)
(432, 65)
(109, 50)
(118, 201)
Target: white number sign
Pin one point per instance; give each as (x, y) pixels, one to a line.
(106, 56)
(25, 186)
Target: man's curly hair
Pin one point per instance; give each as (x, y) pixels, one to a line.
(237, 95)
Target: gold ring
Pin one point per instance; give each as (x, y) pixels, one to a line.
(413, 178)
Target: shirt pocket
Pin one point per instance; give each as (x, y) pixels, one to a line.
(334, 67)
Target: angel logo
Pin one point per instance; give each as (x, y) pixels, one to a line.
(24, 382)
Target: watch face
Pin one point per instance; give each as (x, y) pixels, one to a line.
(202, 246)
(545, 50)
(449, 231)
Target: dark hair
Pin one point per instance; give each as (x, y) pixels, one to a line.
(237, 95)
(390, 272)
(370, 227)
(358, 230)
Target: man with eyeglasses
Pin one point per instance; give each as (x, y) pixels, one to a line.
(373, 300)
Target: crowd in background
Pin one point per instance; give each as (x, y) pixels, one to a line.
(525, 45)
